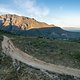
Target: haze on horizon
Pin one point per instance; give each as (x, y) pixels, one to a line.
(63, 13)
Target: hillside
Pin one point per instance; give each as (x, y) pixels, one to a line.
(57, 52)
(30, 27)
(24, 23)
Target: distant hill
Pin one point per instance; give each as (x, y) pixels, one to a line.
(31, 27)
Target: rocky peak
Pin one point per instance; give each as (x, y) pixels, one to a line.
(21, 22)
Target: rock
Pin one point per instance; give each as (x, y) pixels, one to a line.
(22, 22)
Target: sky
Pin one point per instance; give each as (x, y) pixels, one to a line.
(62, 13)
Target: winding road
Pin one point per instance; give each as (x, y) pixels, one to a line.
(15, 53)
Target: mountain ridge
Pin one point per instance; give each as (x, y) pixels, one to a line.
(24, 23)
(30, 27)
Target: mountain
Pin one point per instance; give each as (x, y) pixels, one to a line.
(52, 32)
(24, 23)
(30, 27)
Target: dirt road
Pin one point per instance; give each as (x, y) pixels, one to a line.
(10, 50)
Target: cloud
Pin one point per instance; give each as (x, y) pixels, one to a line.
(4, 9)
(32, 8)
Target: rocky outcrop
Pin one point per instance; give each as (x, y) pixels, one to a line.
(21, 22)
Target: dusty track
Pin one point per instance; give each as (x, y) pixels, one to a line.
(10, 50)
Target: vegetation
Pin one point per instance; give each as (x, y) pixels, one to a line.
(59, 52)
(54, 51)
